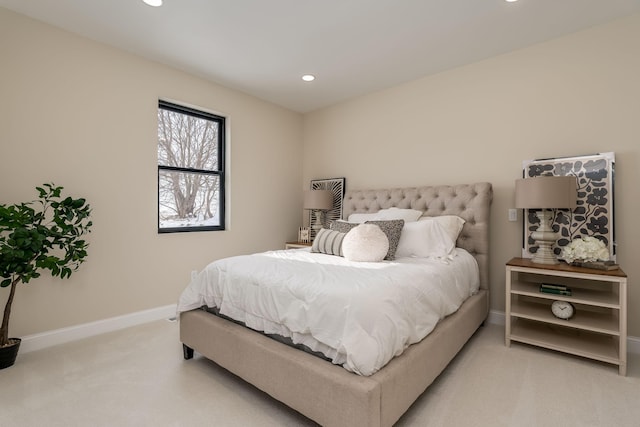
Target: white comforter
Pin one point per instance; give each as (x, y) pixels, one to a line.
(358, 314)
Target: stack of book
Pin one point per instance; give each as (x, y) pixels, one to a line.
(548, 288)
(598, 265)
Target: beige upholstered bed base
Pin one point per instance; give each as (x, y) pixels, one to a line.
(329, 394)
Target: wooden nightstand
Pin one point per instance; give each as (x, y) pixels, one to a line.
(297, 245)
(598, 330)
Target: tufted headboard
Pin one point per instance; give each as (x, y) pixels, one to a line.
(471, 202)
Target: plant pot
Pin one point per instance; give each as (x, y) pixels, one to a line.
(9, 353)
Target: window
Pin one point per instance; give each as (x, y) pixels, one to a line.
(190, 169)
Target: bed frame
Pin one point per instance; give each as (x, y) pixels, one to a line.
(327, 393)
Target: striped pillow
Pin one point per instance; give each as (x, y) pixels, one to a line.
(328, 242)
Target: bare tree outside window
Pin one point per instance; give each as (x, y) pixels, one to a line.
(190, 169)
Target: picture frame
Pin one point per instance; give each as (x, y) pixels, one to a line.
(304, 235)
(594, 214)
(337, 188)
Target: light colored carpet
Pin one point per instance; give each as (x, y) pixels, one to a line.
(137, 377)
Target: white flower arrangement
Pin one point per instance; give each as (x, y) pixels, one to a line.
(585, 249)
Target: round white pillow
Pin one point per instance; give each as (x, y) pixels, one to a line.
(365, 243)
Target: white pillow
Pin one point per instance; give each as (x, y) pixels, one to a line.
(365, 243)
(408, 215)
(452, 224)
(424, 239)
(360, 218)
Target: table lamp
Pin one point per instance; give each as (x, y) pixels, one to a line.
(546, 193)
(318, 201)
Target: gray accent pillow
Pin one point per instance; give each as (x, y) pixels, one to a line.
(393, 230)
(343, 226)
(328, 242)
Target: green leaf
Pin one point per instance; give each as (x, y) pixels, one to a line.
(29, 231)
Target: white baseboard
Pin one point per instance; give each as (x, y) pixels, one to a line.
(497, 318)
(60, 336)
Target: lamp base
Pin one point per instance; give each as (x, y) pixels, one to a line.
(545, 237)
(318, 221)
(544, 255)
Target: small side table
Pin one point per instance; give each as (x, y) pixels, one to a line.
(597, 331)
(297, 245)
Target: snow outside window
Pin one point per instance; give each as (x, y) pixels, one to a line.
(190, 169)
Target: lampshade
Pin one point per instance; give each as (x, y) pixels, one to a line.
(318, 199)
(546, 192)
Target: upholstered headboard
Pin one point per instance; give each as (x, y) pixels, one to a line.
(472, 202)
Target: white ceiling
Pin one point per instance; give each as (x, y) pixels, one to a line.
(262, 47)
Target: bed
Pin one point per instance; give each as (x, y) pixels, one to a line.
(327, 393)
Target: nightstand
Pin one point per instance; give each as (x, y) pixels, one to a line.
(598, 330)
(297, 245)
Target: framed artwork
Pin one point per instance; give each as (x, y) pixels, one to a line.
(337, 188)
(303, 235)
(593, 215)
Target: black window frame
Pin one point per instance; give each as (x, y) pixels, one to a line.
(220, 172)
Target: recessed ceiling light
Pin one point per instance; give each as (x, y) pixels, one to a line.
(308, 77)
(511, 1)
(154, 3)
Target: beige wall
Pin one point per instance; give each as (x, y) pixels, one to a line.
(84, 116)
(574, 95)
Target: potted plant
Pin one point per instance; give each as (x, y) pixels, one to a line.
(44, 234)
